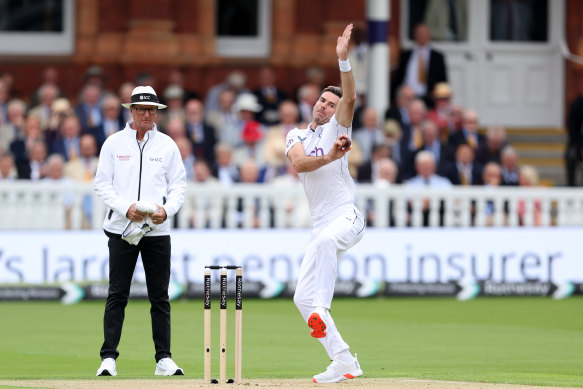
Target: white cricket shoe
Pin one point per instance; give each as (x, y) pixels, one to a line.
(107, 368)
(166, 366)
(339, 371)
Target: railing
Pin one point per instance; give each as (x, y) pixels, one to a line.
(48, 206)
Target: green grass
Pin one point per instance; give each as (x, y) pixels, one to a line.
(535, 341)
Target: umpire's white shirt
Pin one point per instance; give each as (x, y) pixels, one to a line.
(330, 189)
(129, 171)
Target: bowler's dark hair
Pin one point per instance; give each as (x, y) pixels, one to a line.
(333, 89)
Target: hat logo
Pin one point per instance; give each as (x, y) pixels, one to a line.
(141, 97)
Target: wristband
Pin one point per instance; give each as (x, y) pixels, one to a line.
(344, 65)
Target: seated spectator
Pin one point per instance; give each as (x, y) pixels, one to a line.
(7, 167)
(188, 158)
(368, 170)
(252, 146)
(33, 166)
(125, 96)
(246, 106)
(269, 96)
(67, 141)
(48, 93)
(202, 173)
(112, 120)
(13, 127)
(370, 134)
(495, 142)
(83, 170)
(275, 137)
(55, 176)
(464, 170)
(174, 99)
(88, 111)
(400, 111)
(426, 178)
(223, 119)
(308, 95)
(411, 139)
(469, 134)
(441, 113)
(235, 81)
(225, 170)
(21, 147)
(432, 143)
(385, 176)
(201, 134)
(509, 162)
(176, 128)
(492, 178)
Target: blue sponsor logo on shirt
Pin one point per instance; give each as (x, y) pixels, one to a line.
(156, 159)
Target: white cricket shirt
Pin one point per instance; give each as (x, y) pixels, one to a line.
(330, 188)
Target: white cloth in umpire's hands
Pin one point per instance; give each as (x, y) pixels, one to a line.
(134, 231)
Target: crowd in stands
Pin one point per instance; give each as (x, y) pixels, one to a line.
(236, 133)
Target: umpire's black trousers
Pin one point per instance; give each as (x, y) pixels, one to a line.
(123, 256)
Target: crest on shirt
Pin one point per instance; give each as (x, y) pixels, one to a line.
(302, 139)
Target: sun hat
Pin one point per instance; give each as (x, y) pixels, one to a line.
(247, 102)
(144, 95)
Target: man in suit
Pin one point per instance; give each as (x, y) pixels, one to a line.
(420, 67)
(469, 134)
(112, 120)
(201, 135)
(464, 170)
(269, 96)
(433, 144)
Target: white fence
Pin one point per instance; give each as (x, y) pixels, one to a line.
(42, 206)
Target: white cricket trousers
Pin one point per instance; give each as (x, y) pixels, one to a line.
(318, 271)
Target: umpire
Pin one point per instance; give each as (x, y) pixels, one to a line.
(139, 165)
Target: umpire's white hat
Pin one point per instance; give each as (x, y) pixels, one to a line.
(144, 95)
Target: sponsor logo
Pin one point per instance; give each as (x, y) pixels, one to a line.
(144, 97)
(156, 159)
(289, 142)
(317, 152)
(124, 157)
(302, 139)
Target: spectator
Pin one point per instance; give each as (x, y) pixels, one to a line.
(89, 110)
(297, 209)
(125, 96)
(176, 78)
(235, 81)
(224, 119)
(188, 158)
(174, 99)
(21, 147)
(274, 143)
(112, 120)
(469, 134)
(269, 96)
(308, 95)
(225, 170)
(249, 173)
(411, 139)
(246, 107)
(7, 167)
(368, 170)
(252, 147)
(421, 67)
(202, 172)
(385, 175)
(400, 111)
(201, 134)
(67, 142)
(49, 75)
(176, 129)
(370, 134)
(441, 113)
(60, 109)
(492, 178)
(33, 166)
(464, 171)
(433, 144)
(55, 176)
(13, 127)
(509, 162)
(83, 170)
(495, 142)
(48, 93)
(95, 75)
(427, 178)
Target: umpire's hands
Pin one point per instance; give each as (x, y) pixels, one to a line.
(159, 216)
(134, 215)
